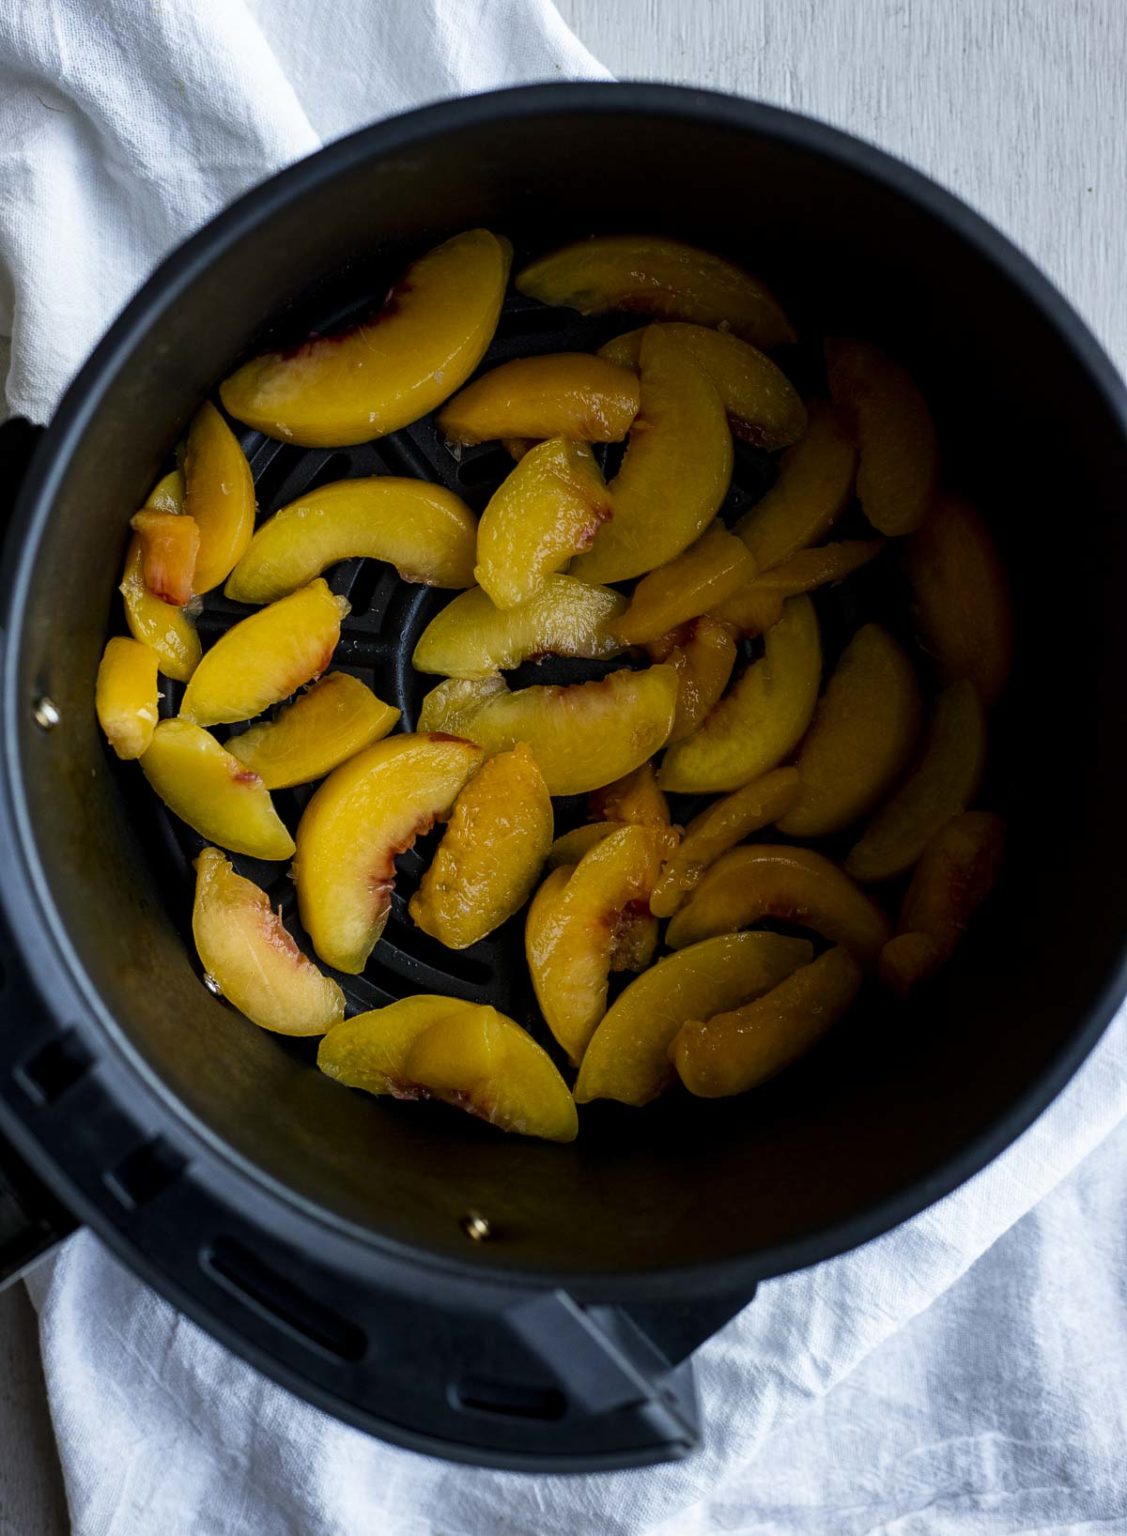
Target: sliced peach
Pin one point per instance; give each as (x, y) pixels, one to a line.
(125, 695)
(548, 509)
(898, 470)
(472, 637)
(813, 488)
(480, 1061)
(759, 605)
(570, 847)
(369, 1050)
(209, 789)
(366, 813)
(634, 940)
(702, 653)
(719, 827)
(425, 531)
(321, 729)
(761, 719)
(961, 597)
(635, 800)
(941, 785)
(676, 471)
(170, 543)
(734, 1051)
(571, 927)
(491, 852)
(652, 275)
(430, 335)
(628, 1057)
(218, 496)
(583, 735)
(248, 953)
(956, 873)
(170, 631)
(763, 406)
(791, 885)
(565, 394)
(266, 657)
(753, 610)
(167, 495)
(861, 739)
(705, 574)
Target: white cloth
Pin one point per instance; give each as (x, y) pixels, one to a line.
(837, 1403)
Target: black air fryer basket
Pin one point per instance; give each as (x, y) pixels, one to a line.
(483, 1297)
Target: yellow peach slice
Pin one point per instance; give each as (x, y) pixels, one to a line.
(628, 1057)
(941, 784)
(366, 813)
(218, 496)
(583, 735)
(702, 653)
(753, 610)
(635, 800)
(125, 695)
(248, 953)
(719, 827)
(813, 489)
(170, 631)
(209, 789)
(763, 406)
(861, 739)
(425, 531)
(423, 345)
(571, 925)
(322, 728)
(652, 275)
(480, 1061)
(369, 1050)
(570, 847)
(759, 605)
(170, 543)
(792, 885)
(705, 574)
(634, 941)
(548, 509)
(167, 495)
(898, 471)
(491, 853)
(956, 873)
(734, 1051)
(266, 657)
(472, 637)
(961, 597)
(676, 471)
(762, 718)
(566, 394)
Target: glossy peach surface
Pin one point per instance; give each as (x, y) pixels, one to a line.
(323, 727)
(125, 695)
(170, 631)
(712, 569)
(635, 800)
(218, 496)
(813, 488)
(472, 637)
(702, 653)
(170, 543)
(564, 394)
(369, 1050)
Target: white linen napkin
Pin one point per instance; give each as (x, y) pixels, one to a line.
(121, 130)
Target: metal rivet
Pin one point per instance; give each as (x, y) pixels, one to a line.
(46, 713)
(476, 1228)
(212, 985)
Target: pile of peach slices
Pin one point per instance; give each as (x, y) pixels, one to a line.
(720, 692)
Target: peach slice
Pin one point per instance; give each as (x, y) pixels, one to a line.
(430, 335)
(753, 610)
(571, 928)
(425, 531)
(167, 495)
(170, 631)
(491, 852)
(763, 406)
(941, 785)
(734, 1051)
(719, 827)
(548, 509)
(266, 657)
(702, 653)
(583, 735)
(209, 789)
(676, 471)
(759, 605)
(962, 598)
(218, 496)
(170, 543)
(861, 739)
(956, 873)
(248, 953)
(791, 885)
(472, 637)
(634, 941)
(635, 800)
(570, 847)
(566, 394)
(898, 471)
(813, 489)
(761, 719)
(125, 695)
(366, 813)
(369, 1050)
(628, 1057)
(321, 729)
(656, 276)
(705, 574)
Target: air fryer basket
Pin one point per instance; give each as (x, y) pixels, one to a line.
(203, 1147)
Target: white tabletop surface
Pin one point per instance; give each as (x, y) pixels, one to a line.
(1018, 105)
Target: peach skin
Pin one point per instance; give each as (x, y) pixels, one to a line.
(565, 394)
(323, 727)
(218, 497)
(170, 543)
(126, 697)
(369, 1050)
(705, 574)
(813, 488)
(170, 631)
(702, 653)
